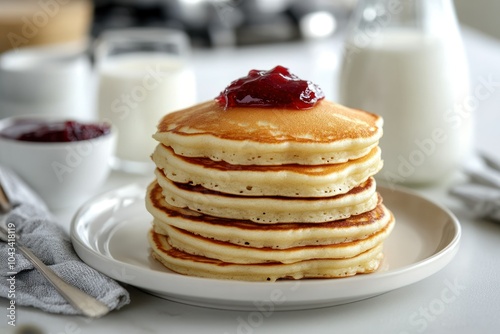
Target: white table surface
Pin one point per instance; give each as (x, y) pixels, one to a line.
(475, 270)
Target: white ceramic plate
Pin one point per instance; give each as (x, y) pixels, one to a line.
(109, 234)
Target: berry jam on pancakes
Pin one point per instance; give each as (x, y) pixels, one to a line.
(277, 88)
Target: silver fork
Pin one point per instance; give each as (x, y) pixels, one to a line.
(86, 304)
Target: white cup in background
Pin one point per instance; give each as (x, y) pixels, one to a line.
(46, 81)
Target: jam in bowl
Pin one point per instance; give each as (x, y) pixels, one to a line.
(64, 161)
(39, 130)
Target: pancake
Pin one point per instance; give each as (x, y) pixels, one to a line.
(231, 253)
(275, 236)
(195, 265)
(263, 184)
(271, 210)
(254, 180)
(325, 134)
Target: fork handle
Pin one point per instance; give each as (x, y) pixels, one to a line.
(83, 302)
(5, 204)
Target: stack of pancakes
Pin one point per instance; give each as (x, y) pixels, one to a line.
(264, 194)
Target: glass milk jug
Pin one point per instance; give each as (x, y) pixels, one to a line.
(404, 60)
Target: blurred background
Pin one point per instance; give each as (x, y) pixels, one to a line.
(228, 37)
(209, 23)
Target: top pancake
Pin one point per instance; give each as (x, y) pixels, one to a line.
(325, 134)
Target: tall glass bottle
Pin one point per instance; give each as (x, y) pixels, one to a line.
(405, 61)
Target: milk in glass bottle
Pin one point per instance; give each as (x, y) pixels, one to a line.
(404, 60)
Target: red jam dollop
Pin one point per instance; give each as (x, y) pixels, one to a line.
(276, 88)
(63, 131)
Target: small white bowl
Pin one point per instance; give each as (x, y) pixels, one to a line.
(62, 173)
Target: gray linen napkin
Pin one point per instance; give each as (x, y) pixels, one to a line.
(37, 231)
(482, 193)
